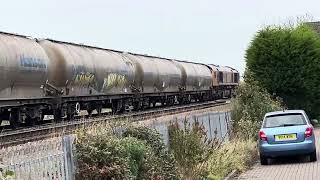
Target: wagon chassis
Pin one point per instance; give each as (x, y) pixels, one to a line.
(29, 112)
(38, 132)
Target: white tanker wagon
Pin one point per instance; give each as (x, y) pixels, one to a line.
(44, 77)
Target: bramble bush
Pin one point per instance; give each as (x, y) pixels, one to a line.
(138, 154)
(101, 157)
(159, 163)
(151, 136)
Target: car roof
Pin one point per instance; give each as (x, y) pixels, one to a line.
(284, 112)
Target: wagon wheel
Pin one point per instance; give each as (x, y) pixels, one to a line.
(1, 127)
(14, 119)
(89, 110)
(30, 121)
(70, 116)
(99, 110)
(136, 106)
(57, 115)
(41, 118)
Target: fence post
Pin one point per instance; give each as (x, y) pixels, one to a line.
(210, 126)
(226, 117)
(229, 125)
(220, 126)
(68, 157)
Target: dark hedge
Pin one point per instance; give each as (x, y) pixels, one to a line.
(286, 62)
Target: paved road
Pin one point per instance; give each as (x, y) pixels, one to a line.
(289, 168)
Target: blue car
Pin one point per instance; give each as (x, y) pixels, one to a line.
(286, 133)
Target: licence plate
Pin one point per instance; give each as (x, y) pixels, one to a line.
(285, 137)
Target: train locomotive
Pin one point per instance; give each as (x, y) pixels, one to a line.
(47, 77)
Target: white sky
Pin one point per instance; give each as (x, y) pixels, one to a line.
(207, 31)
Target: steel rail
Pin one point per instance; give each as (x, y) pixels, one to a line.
(39, 132)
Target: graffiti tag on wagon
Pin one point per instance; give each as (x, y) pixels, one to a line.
(114, 80)
(84, 79)
(29, 63)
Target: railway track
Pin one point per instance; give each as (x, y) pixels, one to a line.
(20, 136)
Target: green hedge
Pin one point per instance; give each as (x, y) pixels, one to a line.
(286, 62)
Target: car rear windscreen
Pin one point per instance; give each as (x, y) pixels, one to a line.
(281, 120)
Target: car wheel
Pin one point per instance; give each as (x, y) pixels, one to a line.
(263, 160)
(313, 156)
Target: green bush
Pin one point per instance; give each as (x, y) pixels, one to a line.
(159, 163)
(7, 174)
(101, 157)
(249, 108)
(190, 147)
(135, 151)
(139, 154)
(285, 60)
(158, 167)
(151, 136)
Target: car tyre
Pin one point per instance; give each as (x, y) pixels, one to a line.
(313, 156)
(263, 160)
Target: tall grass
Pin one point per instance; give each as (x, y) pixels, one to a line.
(236, 155)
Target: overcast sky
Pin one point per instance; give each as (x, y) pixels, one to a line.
(207, 31)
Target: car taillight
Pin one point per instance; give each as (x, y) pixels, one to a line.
(308, 132)
(262, 136)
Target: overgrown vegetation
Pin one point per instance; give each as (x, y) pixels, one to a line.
(200, 158)
(159, 163)
(7, 175)
(285, 60)
(248, 109)
(236, 155)
(138, 154)
(102, 157)
(191, 148)
(127, 152)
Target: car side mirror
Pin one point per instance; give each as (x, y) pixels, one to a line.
(314, 121)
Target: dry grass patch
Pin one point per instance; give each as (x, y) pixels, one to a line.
(234, 155)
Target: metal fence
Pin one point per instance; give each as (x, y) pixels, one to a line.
(216, 124)
(48, 159)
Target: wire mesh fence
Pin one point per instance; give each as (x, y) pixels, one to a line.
(216, 124)
(47, 159)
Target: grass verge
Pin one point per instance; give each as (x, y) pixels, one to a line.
(236, 155)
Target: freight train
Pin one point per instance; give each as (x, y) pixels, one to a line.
(47, 77)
